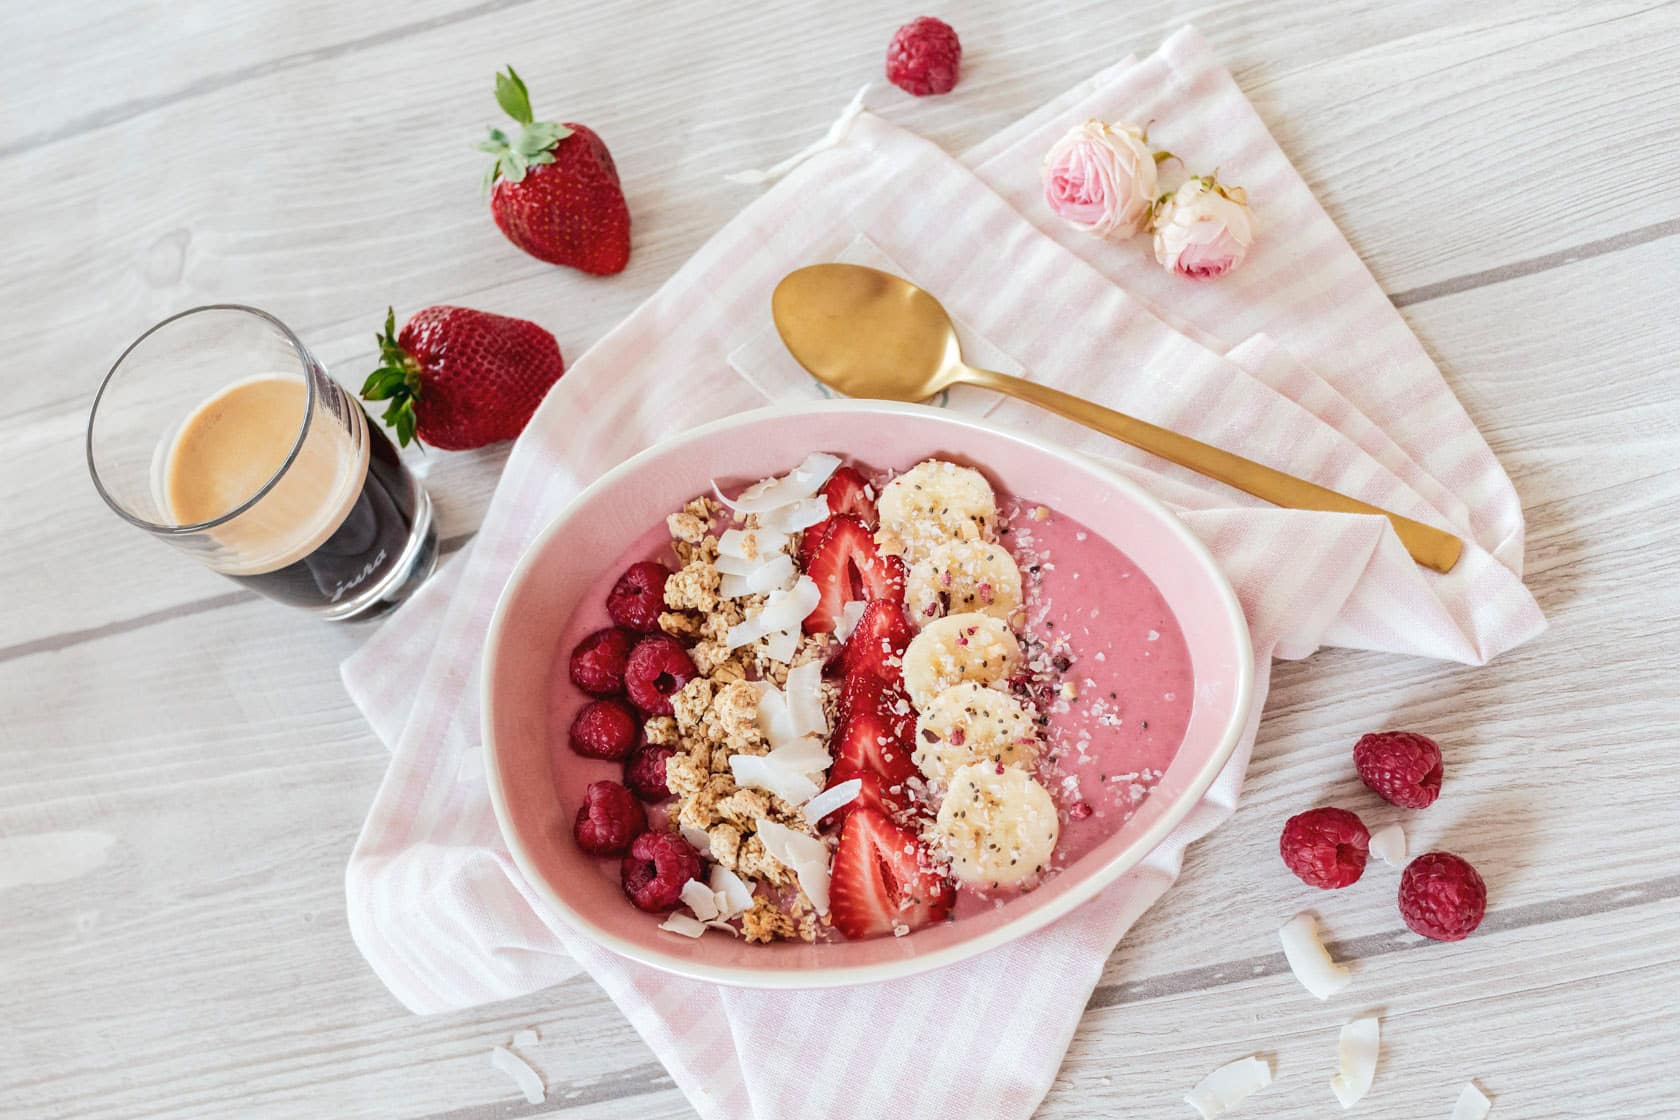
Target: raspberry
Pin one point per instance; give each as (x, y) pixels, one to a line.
(658, 865)
(644, 772)
(659, 667)
(1442, 897)
(598, 661)
(1403, 767)
(923, 56)
(1325, 847)
(605, 729)
(638, 597)
(608, 820)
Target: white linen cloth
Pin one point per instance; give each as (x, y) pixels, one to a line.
(1297, 360)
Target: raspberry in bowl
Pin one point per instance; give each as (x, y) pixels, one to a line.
(842, 610)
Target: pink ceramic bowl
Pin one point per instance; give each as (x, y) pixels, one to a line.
(556, 576)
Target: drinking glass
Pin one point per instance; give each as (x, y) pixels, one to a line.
(218, 432)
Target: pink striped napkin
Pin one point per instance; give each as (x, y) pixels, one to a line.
(1297, 360)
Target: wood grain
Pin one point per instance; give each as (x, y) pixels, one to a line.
(1509, 171)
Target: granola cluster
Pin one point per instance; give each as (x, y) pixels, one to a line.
(715, 717)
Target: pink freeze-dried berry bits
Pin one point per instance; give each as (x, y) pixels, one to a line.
(644, 772)
(923, 57)
(606, 729)
(658, 865)
(1442, 897)
(638, 598)
(1325, 848)
(658, 668)
(598, 662)
(609, 819)
(1403, 767)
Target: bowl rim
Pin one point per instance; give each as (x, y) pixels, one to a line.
(1092, 883)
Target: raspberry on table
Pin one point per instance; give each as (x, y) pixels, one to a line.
(598, 662)
(1403, 767)
(605, 729)
(658, 668)
(609, 819)
(638, 598)
(1325, 847)
(644, 772)
(923, 57)
(1442, 897)
(658, 865)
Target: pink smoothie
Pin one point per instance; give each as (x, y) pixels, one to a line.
(1110, 667)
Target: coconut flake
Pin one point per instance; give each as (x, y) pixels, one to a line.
(1228, 1086)
(515, 1067)
(736, 544)
(831, 799)
(1472, 1104)
(803, 693)
(698, 840)
(679, 922)
(778, 776)
(782, 645)
(805, 856)
(1389, 844)
(1309, 960)
(800, 515)
(850, 614)
(698, 897)
(725, 927)
(773, 493)
(1357, 1055)
(735, 894)
(783, 610)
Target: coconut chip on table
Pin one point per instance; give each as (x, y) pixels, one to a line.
(1229, 1086)
(1356, 1056)
(1309, 960)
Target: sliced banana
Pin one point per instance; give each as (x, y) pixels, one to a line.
(933, 502)
(972, 723)
(956, 648)
(961, 576)
(997, 828)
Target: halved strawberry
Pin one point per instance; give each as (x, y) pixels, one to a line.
(877, 729)
(883, 881)
(876, 647)
(846, 492)
(890, 800)
(847, 567)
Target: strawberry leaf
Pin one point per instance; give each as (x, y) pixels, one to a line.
(513, 97)
(396, 381)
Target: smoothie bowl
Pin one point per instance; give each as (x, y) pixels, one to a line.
(835, 693)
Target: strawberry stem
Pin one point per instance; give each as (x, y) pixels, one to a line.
(536, 138)
(396, 381)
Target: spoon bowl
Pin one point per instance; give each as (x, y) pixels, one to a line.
(867, 333)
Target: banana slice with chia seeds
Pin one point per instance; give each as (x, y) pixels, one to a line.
(997, 826)
(931, 503)
(960, 647)
(961, 576)
(972, 723)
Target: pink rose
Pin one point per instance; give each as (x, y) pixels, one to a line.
(1203, 230)
(1101, 179)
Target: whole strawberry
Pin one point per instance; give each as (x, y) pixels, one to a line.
(554, 191)
(457, 378)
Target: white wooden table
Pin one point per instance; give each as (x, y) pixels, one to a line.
(1510, 171)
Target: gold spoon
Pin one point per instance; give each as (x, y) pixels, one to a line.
(867, 333)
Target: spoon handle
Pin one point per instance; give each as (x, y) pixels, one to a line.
(1433, 548)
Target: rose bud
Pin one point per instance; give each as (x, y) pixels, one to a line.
(1100, 178)
(1203, 229)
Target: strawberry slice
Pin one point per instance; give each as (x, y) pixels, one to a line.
(891, 801)
(847, 492)
(877, 729)
(876, 647)
(882, 880)
(847, 567)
